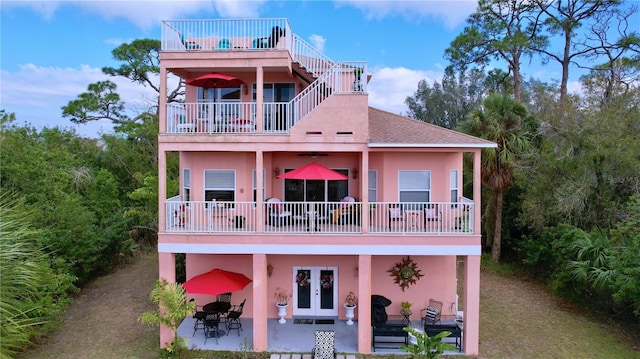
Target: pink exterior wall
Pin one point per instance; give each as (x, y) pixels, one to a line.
(438, 282)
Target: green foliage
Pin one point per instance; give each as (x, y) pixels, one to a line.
(173, 307)
(100, 102)
(30, 287)
(427, 347)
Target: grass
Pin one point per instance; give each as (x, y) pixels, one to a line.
(518, 319)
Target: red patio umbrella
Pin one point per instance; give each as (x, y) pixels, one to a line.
(215, 80)
(216, 281)
(313, 171)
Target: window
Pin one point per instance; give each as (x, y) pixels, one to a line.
(275, 98)
(316, 190)
(253, 184)
(219, 185)
(186, 184)
(453, 185)
(414, 186)
(373, 186)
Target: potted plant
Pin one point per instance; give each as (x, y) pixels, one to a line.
(282, 297)
(358, 73)
(406, 307)
(350, 303)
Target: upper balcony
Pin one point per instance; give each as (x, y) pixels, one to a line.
(194, 47)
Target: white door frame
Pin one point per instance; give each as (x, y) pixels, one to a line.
(315, 292)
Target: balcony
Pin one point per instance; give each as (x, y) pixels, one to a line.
(398, 218)
(228, 118)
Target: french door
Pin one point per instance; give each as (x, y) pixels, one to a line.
(315, 291)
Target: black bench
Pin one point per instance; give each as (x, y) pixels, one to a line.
(382, 335)
(456, 332)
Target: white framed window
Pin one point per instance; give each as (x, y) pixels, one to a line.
(186, 184)
(414, 186)
(220, 185)
(254, 184)
(453, 185)
(373, 185)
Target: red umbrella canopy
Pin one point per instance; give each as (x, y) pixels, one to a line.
(216, 281)
(313, 171)
(215, 80)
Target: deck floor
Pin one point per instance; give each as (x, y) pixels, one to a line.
(286, 339)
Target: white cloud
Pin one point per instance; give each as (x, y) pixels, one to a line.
(450, 12)
(149, 13)
(318, 41)
(36, 95)
(389, 87)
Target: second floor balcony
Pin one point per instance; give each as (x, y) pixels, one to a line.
(397, 218)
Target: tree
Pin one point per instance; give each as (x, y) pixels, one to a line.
(500, 30)
(504, 121)
(565, 18)
(448, 103)
(140, 61)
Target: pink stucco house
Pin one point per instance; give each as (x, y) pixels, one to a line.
(272, 104)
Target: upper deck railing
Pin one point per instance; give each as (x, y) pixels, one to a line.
(429, 218)
(251, 35)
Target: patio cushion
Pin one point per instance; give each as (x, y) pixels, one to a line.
(432, 314)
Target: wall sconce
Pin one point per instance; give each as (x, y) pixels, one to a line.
(245, 89)
(354, 173)
(276, 172)
(269, 270)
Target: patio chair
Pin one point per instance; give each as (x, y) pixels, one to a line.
(224, 298)
(211, 327)
(432, 217)
(276, 214)
(199, 315)
(431, 314)
(325, 345)
(189, 45)
(344, 214)
(233, 318)
(224, 44)
(396, 214)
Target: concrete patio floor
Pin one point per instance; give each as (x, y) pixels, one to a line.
(286, 341)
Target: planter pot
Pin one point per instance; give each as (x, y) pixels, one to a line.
(349, 313)
(282, 312)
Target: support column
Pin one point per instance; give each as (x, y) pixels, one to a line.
(364, 191)
(477, 191)
(364, 304)
(166, 270)
(471, 305)
(259, 191)
(259, 99)
(260, 302)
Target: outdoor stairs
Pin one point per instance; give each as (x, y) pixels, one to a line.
(308, 356)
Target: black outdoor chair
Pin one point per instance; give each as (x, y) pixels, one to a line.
(233, 318)
(224, 298)
(199, 315)
(378, 309)
(211, 327)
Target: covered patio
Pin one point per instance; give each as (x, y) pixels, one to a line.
(285, 338)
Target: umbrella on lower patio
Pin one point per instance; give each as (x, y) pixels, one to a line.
(216, 281)
(313, 171)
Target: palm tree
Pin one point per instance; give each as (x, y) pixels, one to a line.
(503, 120)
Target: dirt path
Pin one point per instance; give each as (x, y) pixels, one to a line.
(102, 320)
(519, 319)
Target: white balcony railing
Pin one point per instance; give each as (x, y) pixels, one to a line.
(413, 218)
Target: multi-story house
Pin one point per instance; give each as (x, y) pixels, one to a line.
(386, 214)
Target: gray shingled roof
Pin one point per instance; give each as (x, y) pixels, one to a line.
(389, 128)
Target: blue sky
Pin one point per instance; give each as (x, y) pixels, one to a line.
(51, 50)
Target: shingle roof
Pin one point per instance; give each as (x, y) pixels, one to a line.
(389, 128)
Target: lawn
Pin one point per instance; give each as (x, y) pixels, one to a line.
(518, 319)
